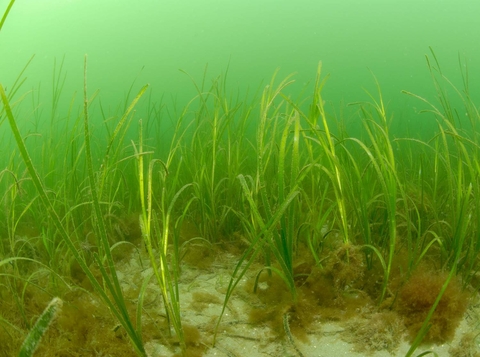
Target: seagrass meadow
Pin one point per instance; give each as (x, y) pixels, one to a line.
(236, 217)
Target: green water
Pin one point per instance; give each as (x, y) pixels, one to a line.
(148, 41)
(361, 189)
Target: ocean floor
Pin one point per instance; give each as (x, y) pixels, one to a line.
(202, 291)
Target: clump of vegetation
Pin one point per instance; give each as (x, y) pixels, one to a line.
(378, 331)
(347, 267)
(467, 347)
(416, 298)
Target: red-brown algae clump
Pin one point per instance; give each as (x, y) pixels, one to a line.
(416, 298)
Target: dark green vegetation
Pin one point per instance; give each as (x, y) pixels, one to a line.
(331, 223)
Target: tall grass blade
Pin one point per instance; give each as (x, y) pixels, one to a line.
(5, 14)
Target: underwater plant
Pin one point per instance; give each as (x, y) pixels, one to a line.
(33, 339)
(112, 286)
(165, 267)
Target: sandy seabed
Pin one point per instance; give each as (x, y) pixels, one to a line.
(202, 292)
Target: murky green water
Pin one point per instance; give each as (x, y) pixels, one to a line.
(148, 41)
